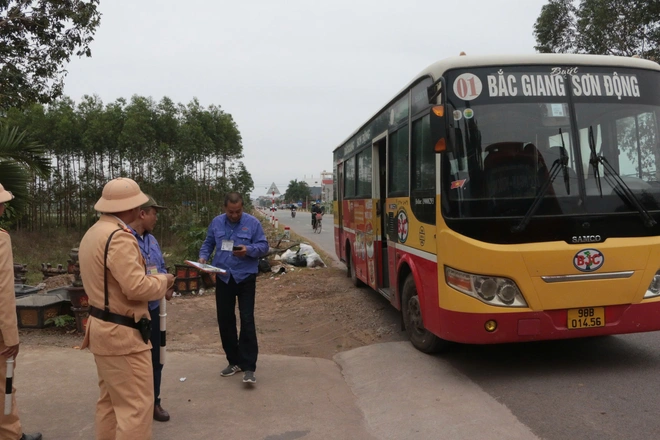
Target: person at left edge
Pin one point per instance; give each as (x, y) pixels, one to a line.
(10, 425)
(142, 228)
(114, 275)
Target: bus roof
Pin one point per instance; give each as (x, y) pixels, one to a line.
(438, 68)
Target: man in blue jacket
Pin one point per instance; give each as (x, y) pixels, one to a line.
(239, 241)
(142, 227)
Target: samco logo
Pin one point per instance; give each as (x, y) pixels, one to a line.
(588, 260)
(586, 238)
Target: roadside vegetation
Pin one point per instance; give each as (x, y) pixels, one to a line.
(53, 246)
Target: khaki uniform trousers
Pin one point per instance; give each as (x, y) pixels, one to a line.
(125, 407)
(10, 425)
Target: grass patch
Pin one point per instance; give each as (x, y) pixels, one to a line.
(53, 246)
(46, 246)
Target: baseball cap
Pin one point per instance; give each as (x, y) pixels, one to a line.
(151, 203)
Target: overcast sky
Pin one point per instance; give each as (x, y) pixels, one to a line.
(298, 76)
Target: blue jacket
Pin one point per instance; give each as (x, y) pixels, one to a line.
(153, 256)
(247, 232)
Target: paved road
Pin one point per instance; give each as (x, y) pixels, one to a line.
(302, 225)
(598, 388)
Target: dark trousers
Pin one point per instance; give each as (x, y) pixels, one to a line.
(155, 351)
(240, 350)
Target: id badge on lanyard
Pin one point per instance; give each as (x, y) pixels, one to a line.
(152, 269)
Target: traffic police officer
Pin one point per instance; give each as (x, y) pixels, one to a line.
(10, 425)
(115, 280)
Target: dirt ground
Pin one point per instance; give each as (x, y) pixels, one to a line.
(305, 312)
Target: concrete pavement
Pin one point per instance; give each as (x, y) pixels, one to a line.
(383, 391)
(406, 394)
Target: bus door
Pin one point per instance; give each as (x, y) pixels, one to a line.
(380, 220)
(340, 248)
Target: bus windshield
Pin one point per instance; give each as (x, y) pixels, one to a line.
(504, 142)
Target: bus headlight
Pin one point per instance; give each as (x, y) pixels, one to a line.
(495, 291)
(486, 287)
(654, 287)
(507, 292)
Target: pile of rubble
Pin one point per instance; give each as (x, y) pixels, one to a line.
(284, 260)
(284, 254)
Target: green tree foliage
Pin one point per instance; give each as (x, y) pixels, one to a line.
(20, 157)
(186, 156)
(37, 37)
(297, 191)
(555, 28)
(608, 27)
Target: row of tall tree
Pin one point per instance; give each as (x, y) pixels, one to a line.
(186, 156)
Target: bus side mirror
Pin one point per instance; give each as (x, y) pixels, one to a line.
(438, 124)
(438, 128)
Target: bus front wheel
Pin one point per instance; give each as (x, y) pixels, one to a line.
(421, 339)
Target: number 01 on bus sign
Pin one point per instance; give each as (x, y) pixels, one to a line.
(586, 317)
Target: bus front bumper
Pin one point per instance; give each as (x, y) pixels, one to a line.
(470, 328)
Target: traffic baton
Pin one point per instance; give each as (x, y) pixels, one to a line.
(163, 319)
(9, 384)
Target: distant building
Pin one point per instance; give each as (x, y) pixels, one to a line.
(327, 181)
(321, 186)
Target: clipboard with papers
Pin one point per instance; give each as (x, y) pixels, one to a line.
(206, 267)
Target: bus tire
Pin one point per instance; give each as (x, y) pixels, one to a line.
(421, 339)
(351, 270)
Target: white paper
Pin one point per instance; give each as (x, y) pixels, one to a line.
(205, 267)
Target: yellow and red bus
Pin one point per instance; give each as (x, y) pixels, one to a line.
(509, 198)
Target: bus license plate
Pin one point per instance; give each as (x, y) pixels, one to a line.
(586, 317)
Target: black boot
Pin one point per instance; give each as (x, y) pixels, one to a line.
(36, 436)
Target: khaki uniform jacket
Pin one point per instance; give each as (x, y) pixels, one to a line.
(129, 288)
(8, 324)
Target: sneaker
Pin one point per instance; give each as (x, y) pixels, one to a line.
(248, 377)
(230, 370)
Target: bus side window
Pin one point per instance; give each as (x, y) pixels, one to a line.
(349, 177)
(422, 171)
(398, 165)
(636, 146)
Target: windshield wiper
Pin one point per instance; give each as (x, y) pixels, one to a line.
(564, 160)
(593, 160)
(613, 178)
(557, 165)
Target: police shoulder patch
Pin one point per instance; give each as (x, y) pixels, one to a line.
(124, 228)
